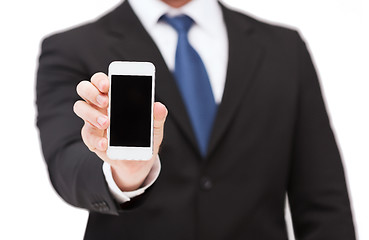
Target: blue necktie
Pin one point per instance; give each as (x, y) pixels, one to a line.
(193, 82)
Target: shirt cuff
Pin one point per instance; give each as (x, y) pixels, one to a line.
(121, 196)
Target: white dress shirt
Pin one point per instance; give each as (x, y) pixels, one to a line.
(208, 36)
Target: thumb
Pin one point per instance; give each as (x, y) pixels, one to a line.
(160, 114)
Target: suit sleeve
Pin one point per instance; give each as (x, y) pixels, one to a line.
(75, 172)
(317, 189)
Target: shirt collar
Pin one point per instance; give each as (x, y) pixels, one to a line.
(207, 14)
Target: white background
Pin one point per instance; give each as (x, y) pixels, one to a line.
(337, 34)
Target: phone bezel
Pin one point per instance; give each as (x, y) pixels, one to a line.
(133, 69)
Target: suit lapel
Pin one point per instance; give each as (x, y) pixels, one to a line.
(245, 55)
(131, 42)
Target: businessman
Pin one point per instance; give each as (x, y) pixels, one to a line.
(239, 124)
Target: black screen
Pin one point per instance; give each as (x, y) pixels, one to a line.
(130, 111)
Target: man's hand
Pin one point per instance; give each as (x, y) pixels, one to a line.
(128, 175)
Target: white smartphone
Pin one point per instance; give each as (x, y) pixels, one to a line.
(131, 102)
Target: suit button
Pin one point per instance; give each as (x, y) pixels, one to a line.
(206, 184)
(104, 207)
(100, 206)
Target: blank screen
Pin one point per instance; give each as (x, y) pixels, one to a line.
(130, 111)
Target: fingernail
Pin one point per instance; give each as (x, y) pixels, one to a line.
(100, 100)
(102, 120)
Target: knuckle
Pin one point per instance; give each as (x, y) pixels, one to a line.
(92, 149)
(84, 130)
(88, 129)
(158, 131)
(97, 76)
(100, 80)
(81, 88)
(86, 135)
(158, 124)
(77, 106)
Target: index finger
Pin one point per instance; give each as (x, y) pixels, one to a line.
(101, 82)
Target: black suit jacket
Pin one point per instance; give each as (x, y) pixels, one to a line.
(271, 137)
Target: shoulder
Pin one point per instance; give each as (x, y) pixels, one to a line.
(82, 35)
(90, 34)
(73, 50)
(267, 33)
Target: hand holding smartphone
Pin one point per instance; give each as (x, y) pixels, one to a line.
(131, 98)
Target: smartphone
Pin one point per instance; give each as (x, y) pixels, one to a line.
(131, 101)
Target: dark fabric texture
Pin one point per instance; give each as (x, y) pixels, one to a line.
(271, 137)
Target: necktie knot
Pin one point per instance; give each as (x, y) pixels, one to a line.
(181, 23)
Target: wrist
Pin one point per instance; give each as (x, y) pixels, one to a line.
(130, 175)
